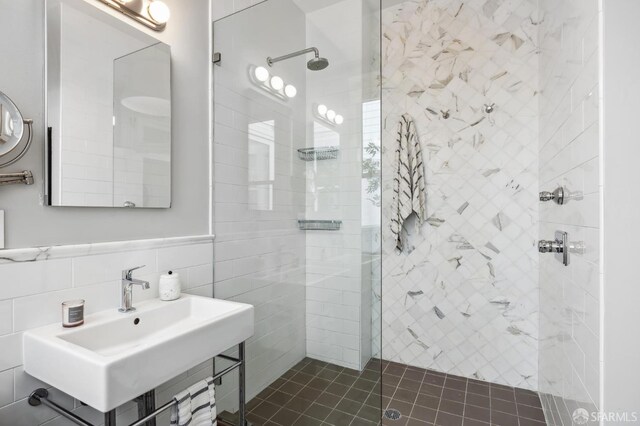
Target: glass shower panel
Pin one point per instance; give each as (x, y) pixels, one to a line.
(297, 212)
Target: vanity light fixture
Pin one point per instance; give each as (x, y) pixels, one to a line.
(277, 83)
(159, 12)
(290, 90)
(327, 115)
(273, 84)
(150, 13)
(261, 74)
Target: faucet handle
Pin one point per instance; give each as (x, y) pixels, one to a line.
(126, 274)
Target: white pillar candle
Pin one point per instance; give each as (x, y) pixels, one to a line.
(72, 313)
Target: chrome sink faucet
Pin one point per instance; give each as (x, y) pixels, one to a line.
(127, 289)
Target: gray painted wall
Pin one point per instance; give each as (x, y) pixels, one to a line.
(620, 174)
(27, 222)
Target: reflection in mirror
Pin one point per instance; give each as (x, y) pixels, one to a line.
(325, 191)
(142, 129)
(261, 164)
(109, 111)
(324, 136)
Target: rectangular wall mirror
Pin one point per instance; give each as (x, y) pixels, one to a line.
(108, 111)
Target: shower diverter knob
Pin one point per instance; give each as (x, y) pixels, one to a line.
(548, 246)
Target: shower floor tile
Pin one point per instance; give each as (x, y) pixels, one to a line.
(427, 397)
(318, 393)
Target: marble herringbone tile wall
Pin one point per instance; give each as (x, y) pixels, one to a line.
(463, 297)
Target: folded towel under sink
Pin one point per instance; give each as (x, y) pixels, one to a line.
(196, 405)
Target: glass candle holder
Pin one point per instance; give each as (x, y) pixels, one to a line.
(73, 313)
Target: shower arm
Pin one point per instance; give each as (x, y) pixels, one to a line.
(272, 61)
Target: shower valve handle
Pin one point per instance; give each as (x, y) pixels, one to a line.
(557, 196)
(549, 246)
(559, 247)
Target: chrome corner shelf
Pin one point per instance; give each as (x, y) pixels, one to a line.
(325, 153)
(319, 225)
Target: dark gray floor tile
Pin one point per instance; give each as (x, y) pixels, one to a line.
(349, 406)
(477, 400)
(428, 401)
(328, 399)
(508, 407)
(285, 417)
(266, 410)
(499, 418)
(477, 388)
(447, 419)
(453, 394)
(477, 413)
(318, 411)
(339, 418)
(529, 412)
(424, 414)
(307, 421)
(500, 393)
(451, 407)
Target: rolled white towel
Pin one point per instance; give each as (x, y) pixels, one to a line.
(196, 405)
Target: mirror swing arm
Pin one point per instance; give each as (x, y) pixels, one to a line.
(26, 176)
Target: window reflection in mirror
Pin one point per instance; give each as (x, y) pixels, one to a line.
(371, 165)
(261, 164)
(323, 183)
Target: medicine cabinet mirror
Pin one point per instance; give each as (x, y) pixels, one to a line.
(108, 111)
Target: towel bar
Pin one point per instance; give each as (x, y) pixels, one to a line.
(41, 396)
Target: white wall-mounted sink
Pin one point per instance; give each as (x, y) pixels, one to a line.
(113, 358)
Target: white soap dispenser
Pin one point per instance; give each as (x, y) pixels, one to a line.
(169, 286)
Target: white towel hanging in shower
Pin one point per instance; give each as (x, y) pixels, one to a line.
(409, 182)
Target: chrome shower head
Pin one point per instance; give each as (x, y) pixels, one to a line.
(315, 64)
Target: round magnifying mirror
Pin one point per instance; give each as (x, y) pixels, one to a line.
(11, 125)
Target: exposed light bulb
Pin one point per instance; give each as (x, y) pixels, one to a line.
(261, 74)
(331, 114)
(277, 83)
(159, 12)
(322, 109)
(290, 90)
(338, 119)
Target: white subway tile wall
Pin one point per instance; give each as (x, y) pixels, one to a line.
(569, 156)
(312, 280)
(32, 289)
(339, 284)
(259, 188)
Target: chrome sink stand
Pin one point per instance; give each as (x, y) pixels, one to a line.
(41, 396)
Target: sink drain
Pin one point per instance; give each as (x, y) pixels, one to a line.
(392, 414)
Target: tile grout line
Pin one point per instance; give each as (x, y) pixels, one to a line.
(464, 402)
(515, 401)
